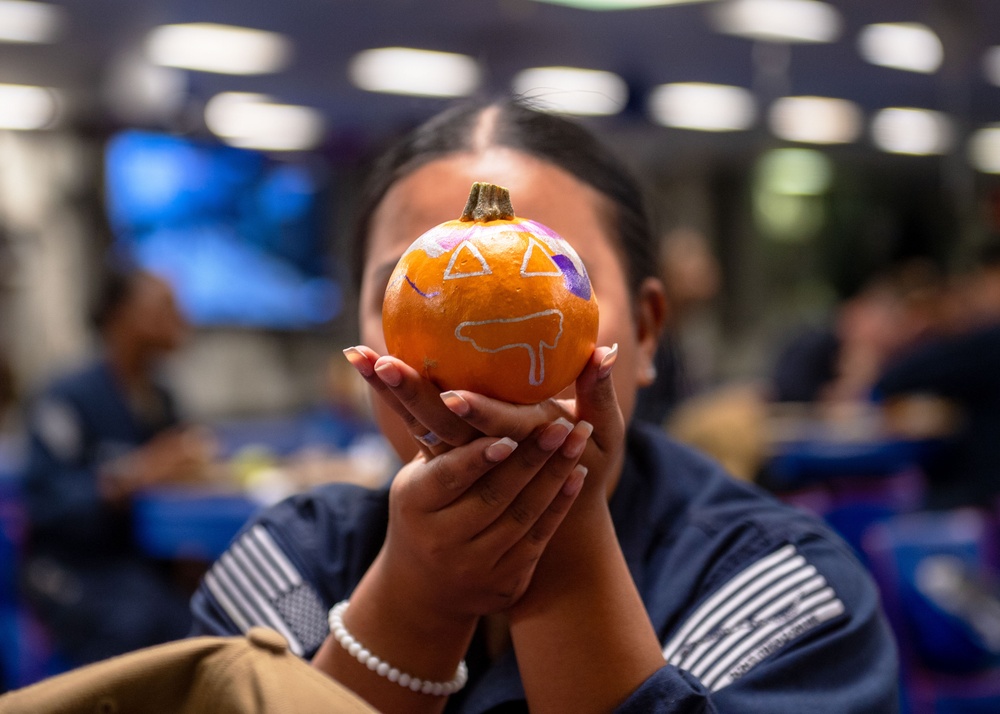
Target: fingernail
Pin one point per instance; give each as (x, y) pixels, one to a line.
(554, 434)
(575, 481)
(358, 360)
(578, 439)
(389, 373)
(456, 403)
(500, 450)
(607, 362)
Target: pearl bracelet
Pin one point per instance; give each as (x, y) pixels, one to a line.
(384, 669)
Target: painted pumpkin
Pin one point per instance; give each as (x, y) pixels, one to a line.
(492, 303)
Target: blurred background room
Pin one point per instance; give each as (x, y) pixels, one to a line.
(177, 182)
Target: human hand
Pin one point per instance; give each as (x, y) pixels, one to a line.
(594, 403)
(176, 455)
(466, 527)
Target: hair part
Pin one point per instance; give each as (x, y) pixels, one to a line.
(513, 124)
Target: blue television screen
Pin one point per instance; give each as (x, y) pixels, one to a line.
(238, 234)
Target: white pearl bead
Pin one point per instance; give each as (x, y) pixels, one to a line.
(394, 675)
(383, 669)
(415, 684)
(354, 649)
(404, 680)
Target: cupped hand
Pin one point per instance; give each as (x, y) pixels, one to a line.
(467, 526)
(594, 403)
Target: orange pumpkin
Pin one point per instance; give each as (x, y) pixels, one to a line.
(492, 303)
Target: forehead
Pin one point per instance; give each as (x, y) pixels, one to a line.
(436, 192)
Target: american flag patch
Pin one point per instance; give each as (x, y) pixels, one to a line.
(772, 602)
(255, 583)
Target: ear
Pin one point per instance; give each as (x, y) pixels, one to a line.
(651, 311)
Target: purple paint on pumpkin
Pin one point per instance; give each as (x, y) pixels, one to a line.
(420, 292)
(544, 229)
(576, 283)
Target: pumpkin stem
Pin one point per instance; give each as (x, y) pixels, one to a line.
(488, 202)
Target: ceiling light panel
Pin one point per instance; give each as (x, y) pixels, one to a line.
(572, 90)
(984, 149)
(908, 46)
(703, 107)
(224, 49)
(22, 21)
(617, 4)
(778, 20)
(917, 132)
(404, 70)
(25, 107)
(254, 121)
(816, 120)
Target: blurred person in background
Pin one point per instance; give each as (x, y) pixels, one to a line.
(96, 436)
(963, 368)
(840, 363)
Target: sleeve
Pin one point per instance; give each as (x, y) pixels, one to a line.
(60, 483)
(289, 565)
(798, 629)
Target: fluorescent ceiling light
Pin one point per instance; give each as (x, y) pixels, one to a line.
(991, 65)
(815, 120)
(901, 45)
(984, 149)
(403, 70)
(253, 121)
(22, 21)
(795, 172)
(779, 20)
(25, 107)
(918, 132)
(617, 4)
(225, 49)
(705, 107)
(571, 90)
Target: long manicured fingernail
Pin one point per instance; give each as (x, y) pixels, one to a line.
(500, 450)
(575, 481)
(360, 362)
(607, 362)
(554, 434)
(389, 373)
(578, 439)
(456, 403)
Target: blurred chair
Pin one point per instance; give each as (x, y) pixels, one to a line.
(852, 504)
(937, 573)
(26, 653)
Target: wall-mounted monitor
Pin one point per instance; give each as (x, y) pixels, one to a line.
(238, 233)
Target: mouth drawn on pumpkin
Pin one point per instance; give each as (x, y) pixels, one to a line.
(502, 334)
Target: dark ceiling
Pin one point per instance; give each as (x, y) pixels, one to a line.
(646, 47)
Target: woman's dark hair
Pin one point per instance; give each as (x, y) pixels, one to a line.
(115, 287)
(545, 136)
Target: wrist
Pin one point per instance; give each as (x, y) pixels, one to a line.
(399, 625)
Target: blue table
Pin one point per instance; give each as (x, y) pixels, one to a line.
(189, 523)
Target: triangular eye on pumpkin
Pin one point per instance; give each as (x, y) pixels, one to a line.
(493, 304)
(466, 262)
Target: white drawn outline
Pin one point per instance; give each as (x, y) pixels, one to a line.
(532, 244)
(536, 373)
(449, 275)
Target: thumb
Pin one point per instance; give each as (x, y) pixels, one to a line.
(596, 400)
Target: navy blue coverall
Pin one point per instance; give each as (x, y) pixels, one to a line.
(759, 607)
